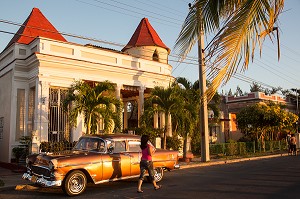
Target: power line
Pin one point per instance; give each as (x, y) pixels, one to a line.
(115, 6)
(107, 42)
(143, 10)
(167, 9)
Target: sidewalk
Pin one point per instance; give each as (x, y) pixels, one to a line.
(11, 175)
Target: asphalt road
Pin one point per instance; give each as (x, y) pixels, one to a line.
(258, 179)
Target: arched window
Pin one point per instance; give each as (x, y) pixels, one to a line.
(155, 56)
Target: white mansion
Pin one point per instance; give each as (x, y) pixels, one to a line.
(39, 64)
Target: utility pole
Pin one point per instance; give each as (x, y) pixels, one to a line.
(297, 111)
(203, 105)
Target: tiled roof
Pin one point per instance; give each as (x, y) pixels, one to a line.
(145, 35)
(36, 25)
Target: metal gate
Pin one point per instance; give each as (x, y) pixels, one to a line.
(59, 126)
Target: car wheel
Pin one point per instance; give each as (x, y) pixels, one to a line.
(75, 183)
(158, 174)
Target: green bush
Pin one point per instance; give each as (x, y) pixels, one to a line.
(174, 143)
(196, 144)
(56, 146)
(19, 152)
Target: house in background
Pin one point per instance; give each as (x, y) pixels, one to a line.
(231, 105)
(38, 66)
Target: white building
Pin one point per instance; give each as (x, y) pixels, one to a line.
(39, 64)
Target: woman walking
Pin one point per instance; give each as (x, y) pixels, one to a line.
(146, 163)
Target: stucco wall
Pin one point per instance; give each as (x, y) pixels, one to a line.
(5, 113)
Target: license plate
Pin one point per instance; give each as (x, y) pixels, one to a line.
(33, 179)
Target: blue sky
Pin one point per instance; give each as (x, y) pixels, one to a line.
(116, 20)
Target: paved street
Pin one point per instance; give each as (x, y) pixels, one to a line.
(259, 179)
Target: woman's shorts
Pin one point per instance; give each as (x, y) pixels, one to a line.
(146, 166)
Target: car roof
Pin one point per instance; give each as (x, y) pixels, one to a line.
(117, 136)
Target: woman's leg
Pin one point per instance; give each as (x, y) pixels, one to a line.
(140, 182)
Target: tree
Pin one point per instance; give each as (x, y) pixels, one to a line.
(263, 120)
(95, 100)
(255, 87)
(241, 26)
(187, 116)
(239, 91)
(230, 93)
(165, 100)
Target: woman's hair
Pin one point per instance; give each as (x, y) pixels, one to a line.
(144, 141)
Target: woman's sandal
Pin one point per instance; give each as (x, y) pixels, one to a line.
(139, 191)
(158, 187)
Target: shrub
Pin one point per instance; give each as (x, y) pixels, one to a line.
(56, 146)
(19, 152)
(174, 143)
(196, 143)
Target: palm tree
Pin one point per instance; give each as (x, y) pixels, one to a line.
(165, 100)
(190, 93)
(187, 116)
(95, 100)
(241, 26)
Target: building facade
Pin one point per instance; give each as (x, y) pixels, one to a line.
(38, 66)
(231, 105)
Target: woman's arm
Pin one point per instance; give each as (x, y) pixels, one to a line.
(151, 149)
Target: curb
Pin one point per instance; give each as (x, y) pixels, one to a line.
(212, 163)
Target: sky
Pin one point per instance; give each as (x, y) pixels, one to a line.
(114, 21)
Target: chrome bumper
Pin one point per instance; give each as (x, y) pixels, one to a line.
(41, 181)
(177, 166)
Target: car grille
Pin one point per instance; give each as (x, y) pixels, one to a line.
(40, 171)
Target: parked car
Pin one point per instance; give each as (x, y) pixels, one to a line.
(96, 159)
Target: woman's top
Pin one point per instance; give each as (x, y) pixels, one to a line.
(145, 153)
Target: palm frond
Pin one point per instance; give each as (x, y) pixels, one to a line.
(238, 38)
(245, 25)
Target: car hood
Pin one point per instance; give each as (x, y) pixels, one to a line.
(43, 159)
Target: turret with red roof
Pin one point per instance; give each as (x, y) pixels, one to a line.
(146, 43)
(36, 25)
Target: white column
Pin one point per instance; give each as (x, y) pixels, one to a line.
(36, 134)
(169, 127)
(155, 125)
(43, 104)
(162, 121)
(125, 123)
(118, 91)
(155, 119)
(140, 103)
(118, 96)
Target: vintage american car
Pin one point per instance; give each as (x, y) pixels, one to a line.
(95, 159)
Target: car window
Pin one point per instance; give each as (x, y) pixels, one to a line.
(90, 144)
(119, 146)
(134, 146)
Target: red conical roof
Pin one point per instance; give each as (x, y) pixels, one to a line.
(36, 25)
(145, 35)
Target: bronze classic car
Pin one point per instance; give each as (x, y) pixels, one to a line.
(95, 159)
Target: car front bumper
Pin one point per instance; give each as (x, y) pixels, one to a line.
(41, 181)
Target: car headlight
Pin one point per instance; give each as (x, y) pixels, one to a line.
(53, 164)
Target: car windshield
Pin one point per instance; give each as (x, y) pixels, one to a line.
(90, 144)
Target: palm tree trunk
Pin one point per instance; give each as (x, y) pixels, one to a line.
(88, 128)
(185, 147)
(166, 129)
